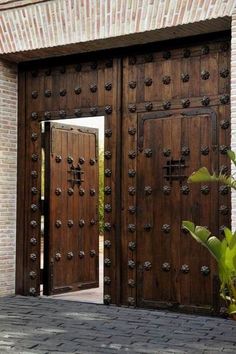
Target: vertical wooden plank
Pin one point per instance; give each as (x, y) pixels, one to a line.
(124, 162)
(129, 157)
(34, 101)
(81, 214)
(175, 216)
(166, 89)
(194, 69)
(71, 231)
(116, 144)
(195, 158)
(186, 213)
(206, 200)
(209, 74)
(55, 235)
(166, 288)
(75, 205)
(224, 131)
(175, 76)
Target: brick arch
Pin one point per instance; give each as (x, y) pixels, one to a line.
(57, 23)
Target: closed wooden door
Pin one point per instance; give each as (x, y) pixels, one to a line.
(173, 268)
(176, 118)
(71, 208)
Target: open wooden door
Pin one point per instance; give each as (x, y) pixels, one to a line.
(71, 208)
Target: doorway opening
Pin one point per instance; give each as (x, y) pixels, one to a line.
(72, 221)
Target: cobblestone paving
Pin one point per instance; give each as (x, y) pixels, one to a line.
(42, 325)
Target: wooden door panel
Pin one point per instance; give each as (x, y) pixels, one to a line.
(72, 221)
(169, 261)
(73, 86)
(176, 99)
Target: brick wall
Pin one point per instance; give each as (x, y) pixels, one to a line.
(65, 23)
(8, 167)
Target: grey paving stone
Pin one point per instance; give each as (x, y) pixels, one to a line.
(47, 326)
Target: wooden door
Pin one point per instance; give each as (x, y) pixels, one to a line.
(172, 267)
(71, 208)
(166, 77)
(55, 89)
(176, 118)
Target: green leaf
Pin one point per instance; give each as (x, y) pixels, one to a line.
(223, 251)
(232, 156)
(232, 309)
(203, 236)
(229, 260)
(188, 225)
(199, 233)
(228, 235)
(213, 244)
(202, 233)
(234, 264)
(233, 241)
(202, 175)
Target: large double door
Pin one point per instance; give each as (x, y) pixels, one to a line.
(166, 109)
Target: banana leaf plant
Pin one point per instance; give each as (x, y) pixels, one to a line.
(224, 251)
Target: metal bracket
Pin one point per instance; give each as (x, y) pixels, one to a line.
(76, 173)
(174, 170)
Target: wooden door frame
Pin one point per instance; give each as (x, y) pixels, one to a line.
(23, 278)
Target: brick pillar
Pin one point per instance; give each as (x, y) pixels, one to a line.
(8, 171)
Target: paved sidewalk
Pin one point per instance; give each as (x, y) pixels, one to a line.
(42, 325)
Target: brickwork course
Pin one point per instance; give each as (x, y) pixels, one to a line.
(61, 22)
(29, 325)
(30, 29)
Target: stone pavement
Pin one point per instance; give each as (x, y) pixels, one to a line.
(43, 325)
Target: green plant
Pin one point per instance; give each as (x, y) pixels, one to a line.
(225, 254)
(224, 251)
